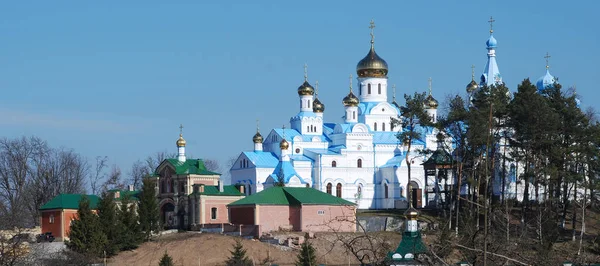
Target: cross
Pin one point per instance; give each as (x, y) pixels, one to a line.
(317, 88)
(372, 27)
(180, 129)
(305, 72)
(350, 82)
(473, 72)
(283, 129)
(546, 57)
(429, 85)
(491, 21)
(394, 92)
(257, 129)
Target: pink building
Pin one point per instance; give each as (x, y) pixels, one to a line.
(294, 208)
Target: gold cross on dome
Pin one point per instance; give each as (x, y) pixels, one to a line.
(473, 72)
(429, 80)
(394, 92)
(491, 21)
(546, 57)
(350, 82)
(316, 88)
(180, 128)
(372, 27)
(305, 72)
(257, 128)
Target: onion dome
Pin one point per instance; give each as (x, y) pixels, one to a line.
(181, 141)
(318, 107)
(372, 65)
(411, 213)
(472, 86)
(491, 42)
(284, 145)
(306, 89)
(258, 138)
(350, 100)
(430, 102)
(545, 81)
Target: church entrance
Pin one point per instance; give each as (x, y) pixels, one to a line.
(167, 216)
(416, 195)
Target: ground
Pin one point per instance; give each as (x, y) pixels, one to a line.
(213, 249)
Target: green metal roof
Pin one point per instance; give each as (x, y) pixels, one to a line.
(69, 201)
(190, 167)
(411, 243)
(439, 157)
(291, 196)
(214, 191)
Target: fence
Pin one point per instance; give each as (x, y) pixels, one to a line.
(229, 229)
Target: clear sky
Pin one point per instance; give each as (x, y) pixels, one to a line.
(116, 78)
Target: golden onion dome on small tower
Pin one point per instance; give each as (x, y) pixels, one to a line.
(411, 213)
(306, 88)
(472, 86)
(350, 99)
(372, 65)
(431, 103)
(318, 107)
(181, 141)
(258, 138)
(284, 145)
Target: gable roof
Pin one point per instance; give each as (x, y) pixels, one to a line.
(189, 167)
(214, 191)
(69, 201)
(262, 159)
(292, 196)
(285, 170)
(133, 195)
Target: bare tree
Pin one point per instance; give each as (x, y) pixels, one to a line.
(138, 171)
(98, 175)
(114, 179)
(153, 161)
(212, 165)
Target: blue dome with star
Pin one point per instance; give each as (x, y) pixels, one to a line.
(491, 42)
(545, 81)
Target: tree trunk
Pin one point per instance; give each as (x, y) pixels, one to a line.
(574, 221)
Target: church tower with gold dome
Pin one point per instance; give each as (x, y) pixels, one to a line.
(181, 146)
(309, 120)
(372, 73)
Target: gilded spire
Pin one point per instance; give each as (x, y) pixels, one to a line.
(351, 83)
(491, 21)
(429, 80)
(257, 137)
(305, 72)
(430, 102)
(257, 127)
(181, 142)
(284, 145)
(372, 27)
(547, 57)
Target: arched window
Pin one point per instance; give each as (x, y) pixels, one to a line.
(359, 163)
(353, 114)
(213, 213)
(249, 189)
(307, 185)
(308, 103)
(379, 88)
(359, 88)
(333, 164)
(308, 128)
(385, 187)
(359, 189)
(369, 88)
(375, 126)
(338, 190)
(329, 188)
(382, 126)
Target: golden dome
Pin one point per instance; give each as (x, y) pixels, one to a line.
(284, 145)
(372, 65)
(181, 141)
(472, 86)
(430, 102)
(411, 213)
(350, 100)
(258, 138)
(306, 89)
(318, 107)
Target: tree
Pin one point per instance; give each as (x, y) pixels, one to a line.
(98, 174)
(114, 179)
(86, 235)
(129, 228)
(411, 115)
(137, 173)
(109, 222)
(166, 260)
(238, 256)
(307, 256)
(148, 212)
(212, 165)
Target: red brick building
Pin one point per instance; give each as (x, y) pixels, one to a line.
(57, 214)
(294, 208)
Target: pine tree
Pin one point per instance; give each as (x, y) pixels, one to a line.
(166, 260)
(238, 256)
(86, 236)
(148, 213)
(128, 227)
(307, 256)
(109, 222)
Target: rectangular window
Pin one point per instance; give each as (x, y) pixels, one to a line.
(213, 213)
(321, 212)
(51, 219)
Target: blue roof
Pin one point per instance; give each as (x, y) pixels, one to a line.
(395, 161)
(322, 151)
(289, 133)
(262, 159)
(366, 107)
(545, 81)
(346, 127)
(491, 42)
(384, 138)
(285, 169)
(328, 127)
(300, 157)
(305, 114)
(336, 148)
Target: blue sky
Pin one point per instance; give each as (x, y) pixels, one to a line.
(116, 78)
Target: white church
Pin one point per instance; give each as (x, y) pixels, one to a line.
(358, 159)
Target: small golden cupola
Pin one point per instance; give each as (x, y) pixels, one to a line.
(306, 88)
(472, 86)
(318, 106)
(284, 145)
(372, 65)
(181, 140)
(350, 100)
(430, 102)
(258, 138)
(411, 213)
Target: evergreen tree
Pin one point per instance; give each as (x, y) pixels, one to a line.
(166, 260)
(148, 212)
(128, 227)
(307, 256)
(86, 236)
(238, 256)
(109, 223)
